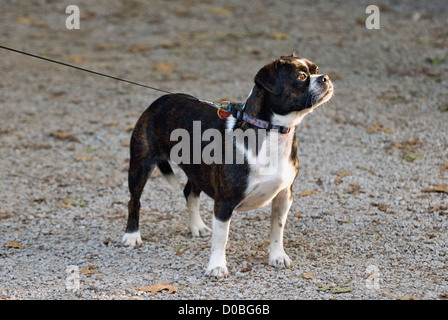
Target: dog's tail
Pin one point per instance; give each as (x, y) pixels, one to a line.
(168, 173)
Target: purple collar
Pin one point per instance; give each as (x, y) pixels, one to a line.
(236, 110)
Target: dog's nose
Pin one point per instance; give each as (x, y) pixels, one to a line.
(323, 78)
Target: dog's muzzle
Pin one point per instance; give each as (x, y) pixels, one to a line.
(321, 89)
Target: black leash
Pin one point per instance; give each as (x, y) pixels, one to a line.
(82, 69)
(224, 109)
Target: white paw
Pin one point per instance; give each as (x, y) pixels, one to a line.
(217, 271)
(200, 230)
(132, 239)
(280, 259)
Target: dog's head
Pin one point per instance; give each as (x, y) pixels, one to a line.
(293, 86)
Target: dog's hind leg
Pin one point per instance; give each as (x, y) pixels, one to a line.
(197, 225)
(168, 173)
(141, 165)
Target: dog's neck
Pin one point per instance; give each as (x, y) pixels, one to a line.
(256, 106)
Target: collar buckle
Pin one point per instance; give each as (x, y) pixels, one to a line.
(237, 110)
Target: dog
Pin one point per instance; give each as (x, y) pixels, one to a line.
(285, 91)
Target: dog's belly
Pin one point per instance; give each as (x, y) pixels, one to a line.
(260, 196)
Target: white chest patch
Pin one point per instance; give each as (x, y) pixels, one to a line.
(271, 170)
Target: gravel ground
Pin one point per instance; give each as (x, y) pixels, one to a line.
(367, 158)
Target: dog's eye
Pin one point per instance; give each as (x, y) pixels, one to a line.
(302, 76)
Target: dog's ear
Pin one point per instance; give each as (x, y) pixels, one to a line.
(292, 55)
(268, 78)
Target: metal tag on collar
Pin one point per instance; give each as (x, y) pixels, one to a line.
(225, 105)
(224, 110)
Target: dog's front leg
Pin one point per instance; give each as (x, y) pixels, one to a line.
(220, 232)
(279, 212)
